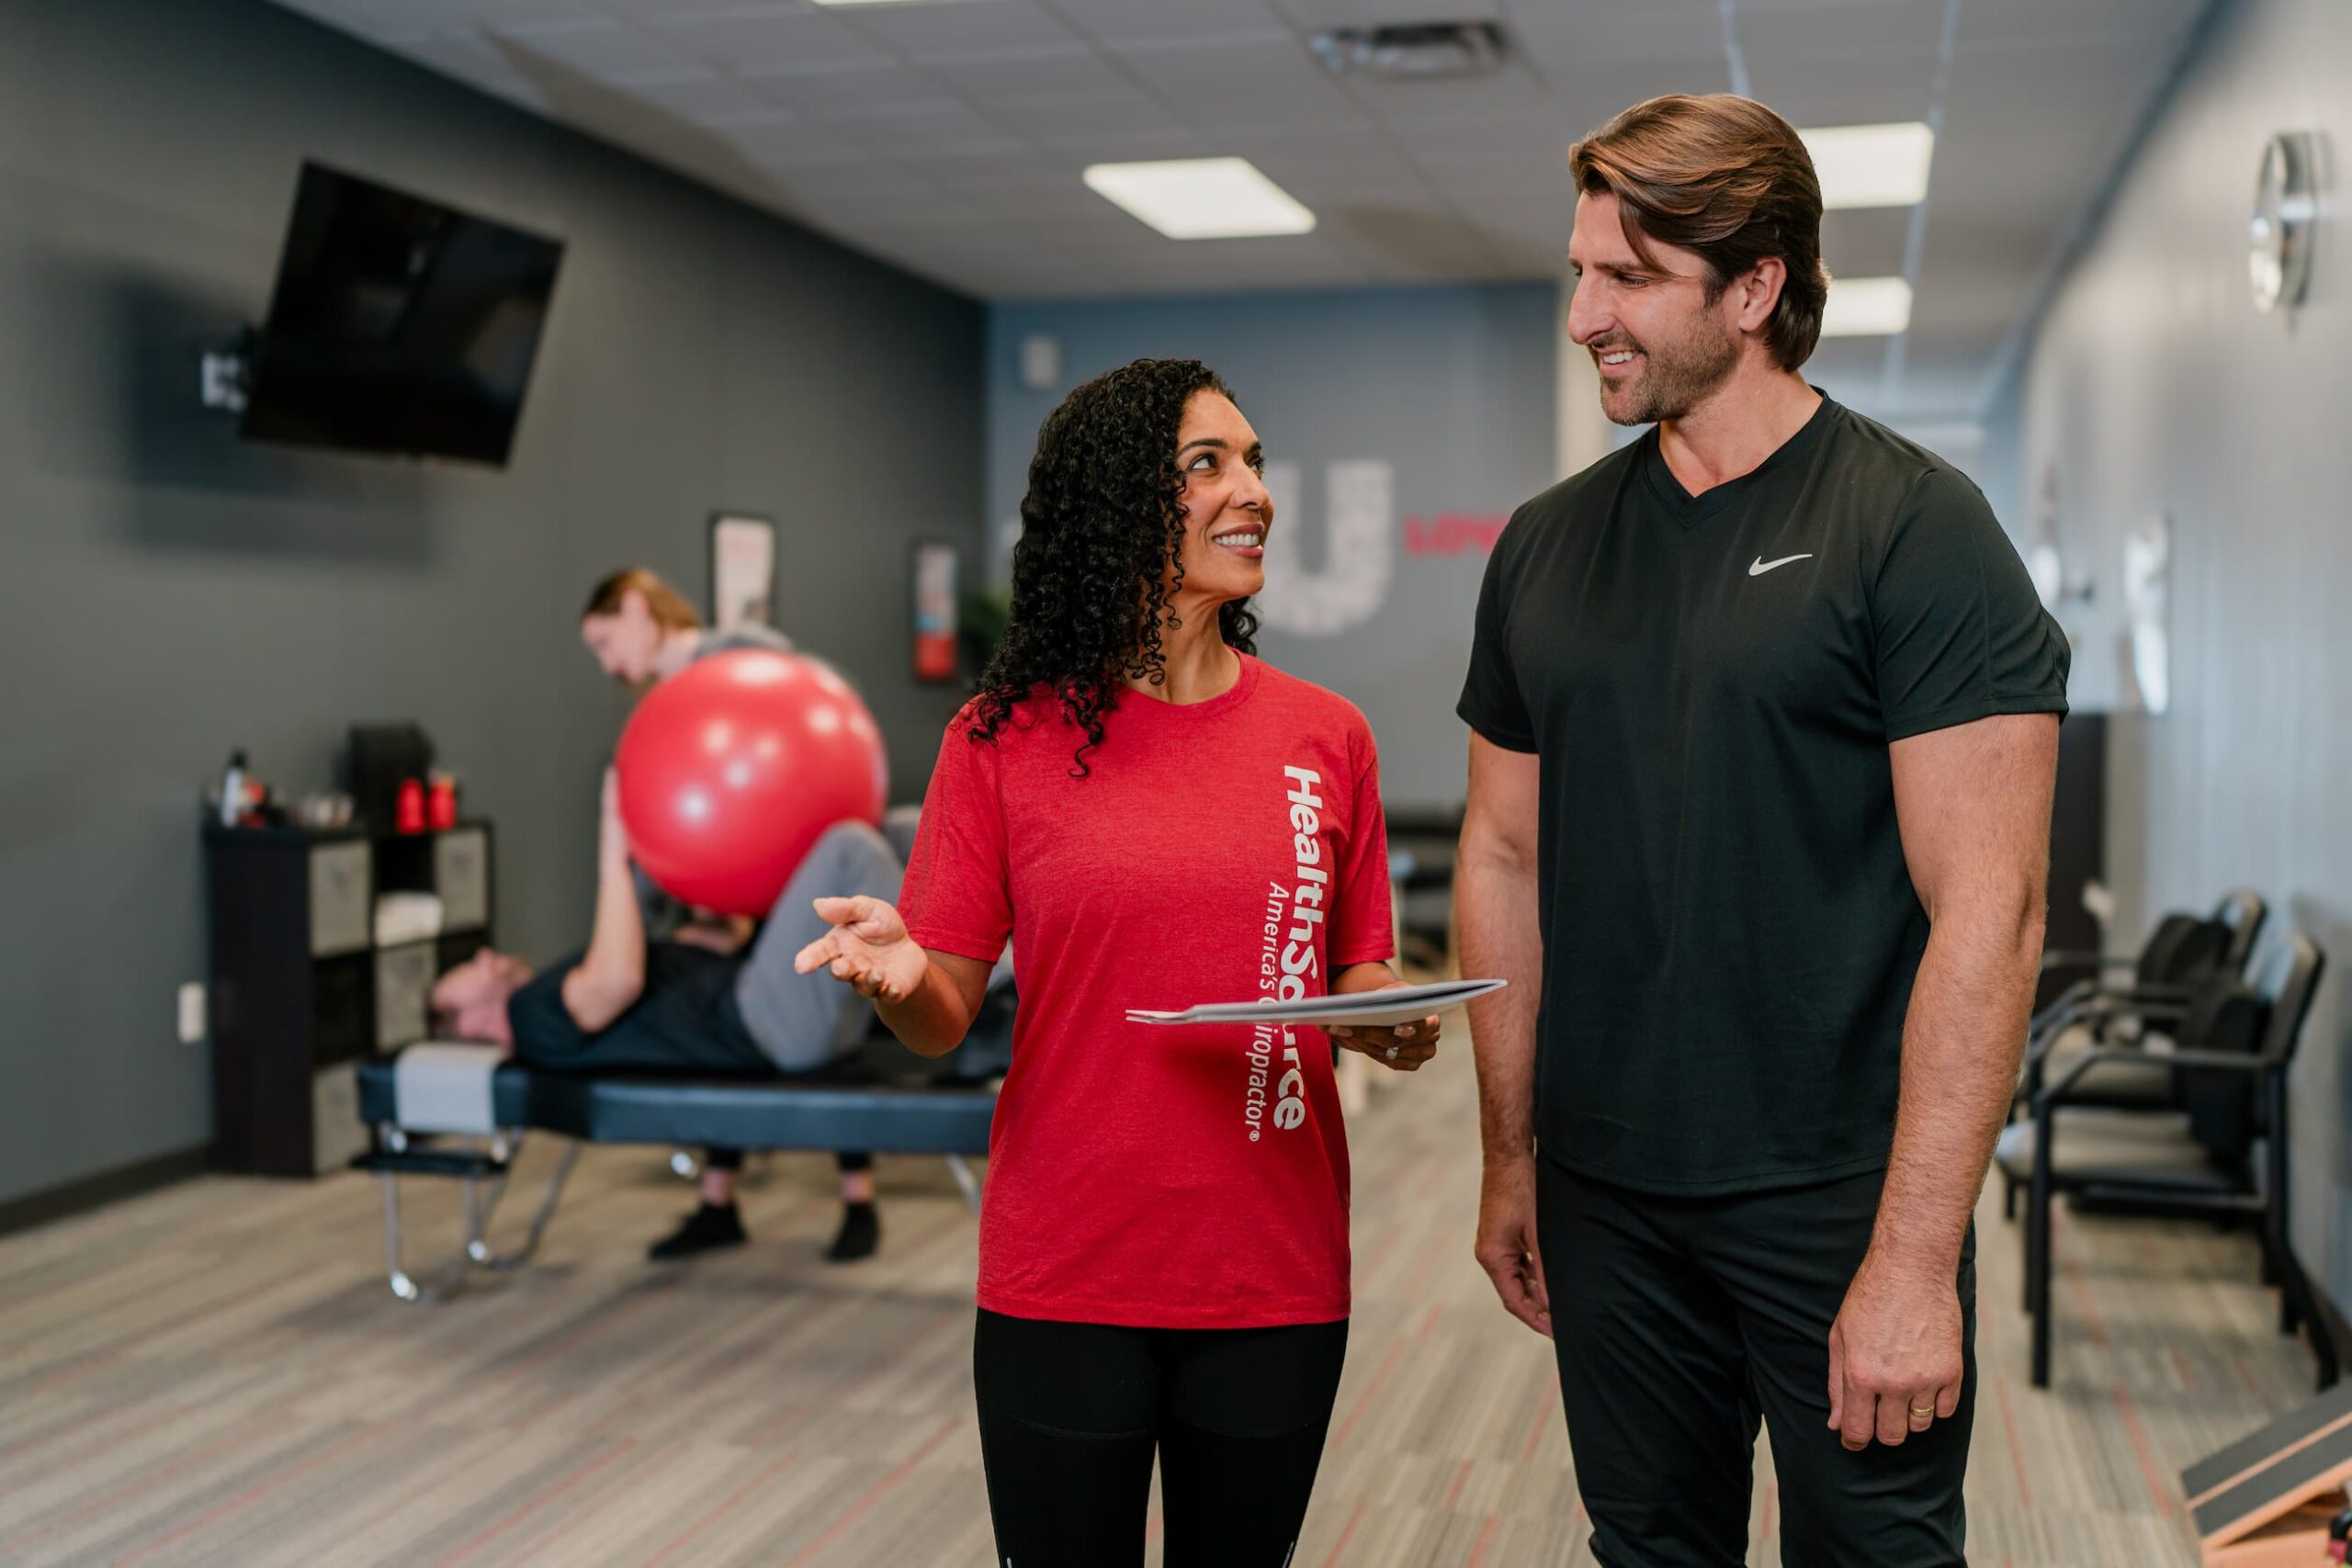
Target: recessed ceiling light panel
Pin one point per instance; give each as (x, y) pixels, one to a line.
(1872, 165)
(1201, 199)
(1866, 307)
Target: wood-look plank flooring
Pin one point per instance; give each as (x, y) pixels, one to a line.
(216, 1374)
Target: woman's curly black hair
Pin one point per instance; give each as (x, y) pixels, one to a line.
(1100, 527)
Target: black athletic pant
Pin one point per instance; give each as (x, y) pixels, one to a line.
(1680, 1322)
(1071, 1413)
(732, 1159)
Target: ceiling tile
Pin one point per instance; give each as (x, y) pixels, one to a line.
(992, 78)
(1077, 118)
(759, 40)
(791, 142)
(1841, 30)
(1587, 99)
(2008, 24)
(1509, 98)
(1025, 168)
(918, 33)
(700, 93)
(1129, 21)
(878, 89)
(1587, 37)
(1255, 79)
(1808, 94)
(598, 47)
(931, 131)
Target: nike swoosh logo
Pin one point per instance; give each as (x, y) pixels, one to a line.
(1763, 566)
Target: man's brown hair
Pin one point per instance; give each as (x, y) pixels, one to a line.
(669, 607)
(1723, 176)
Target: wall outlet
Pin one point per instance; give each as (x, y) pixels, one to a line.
(192, 1013)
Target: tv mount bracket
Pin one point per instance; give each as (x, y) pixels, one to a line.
(224, 373)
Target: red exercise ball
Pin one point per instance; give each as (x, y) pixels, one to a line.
(732, 768)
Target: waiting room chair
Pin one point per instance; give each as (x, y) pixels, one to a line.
(2221, 1152)
(2183, 952)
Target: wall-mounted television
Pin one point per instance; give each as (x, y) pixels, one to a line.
(398, 325)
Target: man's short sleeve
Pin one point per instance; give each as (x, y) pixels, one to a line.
(1492, 703)
(956, 897)
(1958, 632)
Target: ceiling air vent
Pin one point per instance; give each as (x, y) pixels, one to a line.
(1414, 52)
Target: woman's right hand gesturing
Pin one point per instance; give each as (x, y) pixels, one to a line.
(868, 947)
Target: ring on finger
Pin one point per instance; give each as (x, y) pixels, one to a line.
(1392, 1053)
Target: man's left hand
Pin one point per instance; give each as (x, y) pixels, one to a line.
(1894, 1352)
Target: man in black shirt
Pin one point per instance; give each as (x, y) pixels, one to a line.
(1766, 718)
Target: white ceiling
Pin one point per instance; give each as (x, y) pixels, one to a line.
(948, 136)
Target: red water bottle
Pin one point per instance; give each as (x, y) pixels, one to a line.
(441, 806)
(408, 811)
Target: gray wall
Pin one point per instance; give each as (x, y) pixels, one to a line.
(1452, 385)
(2154, 384)
(168, 593)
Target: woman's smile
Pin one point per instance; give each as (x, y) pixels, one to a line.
(1247, 540)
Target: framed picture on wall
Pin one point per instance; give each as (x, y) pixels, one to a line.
(935, 573)
(742, 571)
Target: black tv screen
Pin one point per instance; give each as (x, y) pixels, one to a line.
(398, 325)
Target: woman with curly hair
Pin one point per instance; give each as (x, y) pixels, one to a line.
(1154, 817)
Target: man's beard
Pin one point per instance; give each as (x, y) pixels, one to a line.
(1675, 375)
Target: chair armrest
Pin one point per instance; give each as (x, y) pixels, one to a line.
(2099, 1008)
(2078, 958)
(2157, 996)
(2250, 1063)
(2062, 1005)
(2171, 1000)
(2226, 1061)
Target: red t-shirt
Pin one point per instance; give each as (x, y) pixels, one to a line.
(1162, 1175)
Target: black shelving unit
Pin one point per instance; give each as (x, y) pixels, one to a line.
(301, 990)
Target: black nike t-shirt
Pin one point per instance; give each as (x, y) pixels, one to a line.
(1712, 684)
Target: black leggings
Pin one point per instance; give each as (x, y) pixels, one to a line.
(732, 1159)
(1071, 1413)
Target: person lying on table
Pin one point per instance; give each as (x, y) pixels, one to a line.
(687, 1007)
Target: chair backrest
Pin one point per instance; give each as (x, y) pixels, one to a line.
(2296, 984)
(2183, 949)
(2224, 1107)
(2242, 910)
(2226, 1110)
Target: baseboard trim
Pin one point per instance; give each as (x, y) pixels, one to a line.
(53, 1203)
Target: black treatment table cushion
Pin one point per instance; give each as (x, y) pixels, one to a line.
(884, 1099)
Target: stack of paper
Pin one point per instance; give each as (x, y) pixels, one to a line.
(1369, 1010)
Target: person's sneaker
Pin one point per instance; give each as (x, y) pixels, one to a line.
(860, 1234)
(709, 1227)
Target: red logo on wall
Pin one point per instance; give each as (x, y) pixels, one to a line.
(1453, 533)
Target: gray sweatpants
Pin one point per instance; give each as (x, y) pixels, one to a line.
(803, 1022)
